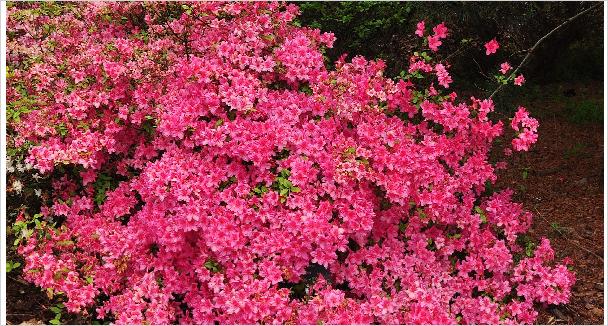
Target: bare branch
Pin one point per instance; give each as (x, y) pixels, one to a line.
(531, 50)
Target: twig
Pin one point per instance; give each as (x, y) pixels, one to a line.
(481, 70)
(461, 49)
(18, 280)
(566, 238)
(544, 38)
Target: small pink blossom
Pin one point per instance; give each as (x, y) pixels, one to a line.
(441, 31)
(420, 29)
(434, 42)
(519, 80)
(443, 76)
(491, 46)
(505, 67)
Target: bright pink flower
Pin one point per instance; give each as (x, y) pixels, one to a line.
(519, 80)
(526, 128)
(443, 76)
(505, 67)
(420, 29)
(434, 42)
(237, 179)
(491, 46)
(441, 31)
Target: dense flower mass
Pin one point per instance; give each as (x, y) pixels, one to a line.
(210, 166)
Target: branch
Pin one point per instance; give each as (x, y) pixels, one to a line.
(481, 70)
(567, 238)
(531, 50)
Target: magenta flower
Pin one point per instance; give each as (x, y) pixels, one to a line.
(434, 42)
(420, 29)
(505, 67)
(441, 31)
(491, 46)
(236, 178)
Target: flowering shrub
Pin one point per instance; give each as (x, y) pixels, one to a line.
(209, 165)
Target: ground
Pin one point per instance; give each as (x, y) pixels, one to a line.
(560, 181)
(563, 188)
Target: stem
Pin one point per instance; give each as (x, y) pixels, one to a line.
(531, 50)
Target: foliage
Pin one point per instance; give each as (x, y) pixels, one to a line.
(382, 29)
(212, 167)
(11, 266)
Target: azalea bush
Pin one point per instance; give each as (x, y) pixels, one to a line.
(208, 164)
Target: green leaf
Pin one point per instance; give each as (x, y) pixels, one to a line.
(212, 266)
(421, 213)
(482, 215)
(530, 249)
(11, 266)
(402, 226)
(55, 322)
(56, 310)
(284, 182)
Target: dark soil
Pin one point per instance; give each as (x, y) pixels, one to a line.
(563, 188)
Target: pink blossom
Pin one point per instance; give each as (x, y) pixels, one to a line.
(519, 80)
(441, 31)
(443, 76)
(505, 67)
(239, 179)
(491, 46)
(420, 29)
(434, 42)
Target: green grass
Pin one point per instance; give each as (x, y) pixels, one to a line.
(577, 150)
(585, 111)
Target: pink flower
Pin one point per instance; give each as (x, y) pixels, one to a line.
(441, 31)
(526, 127)
(443, 76)
(505, 67)
(453, 96)
(434, 42)
(220, 176)
(491, 46)
(420, 29)
(519, 80)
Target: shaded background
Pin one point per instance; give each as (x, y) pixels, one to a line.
(386, 30)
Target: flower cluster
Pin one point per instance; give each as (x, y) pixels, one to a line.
(209, 167)
(526, 128)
